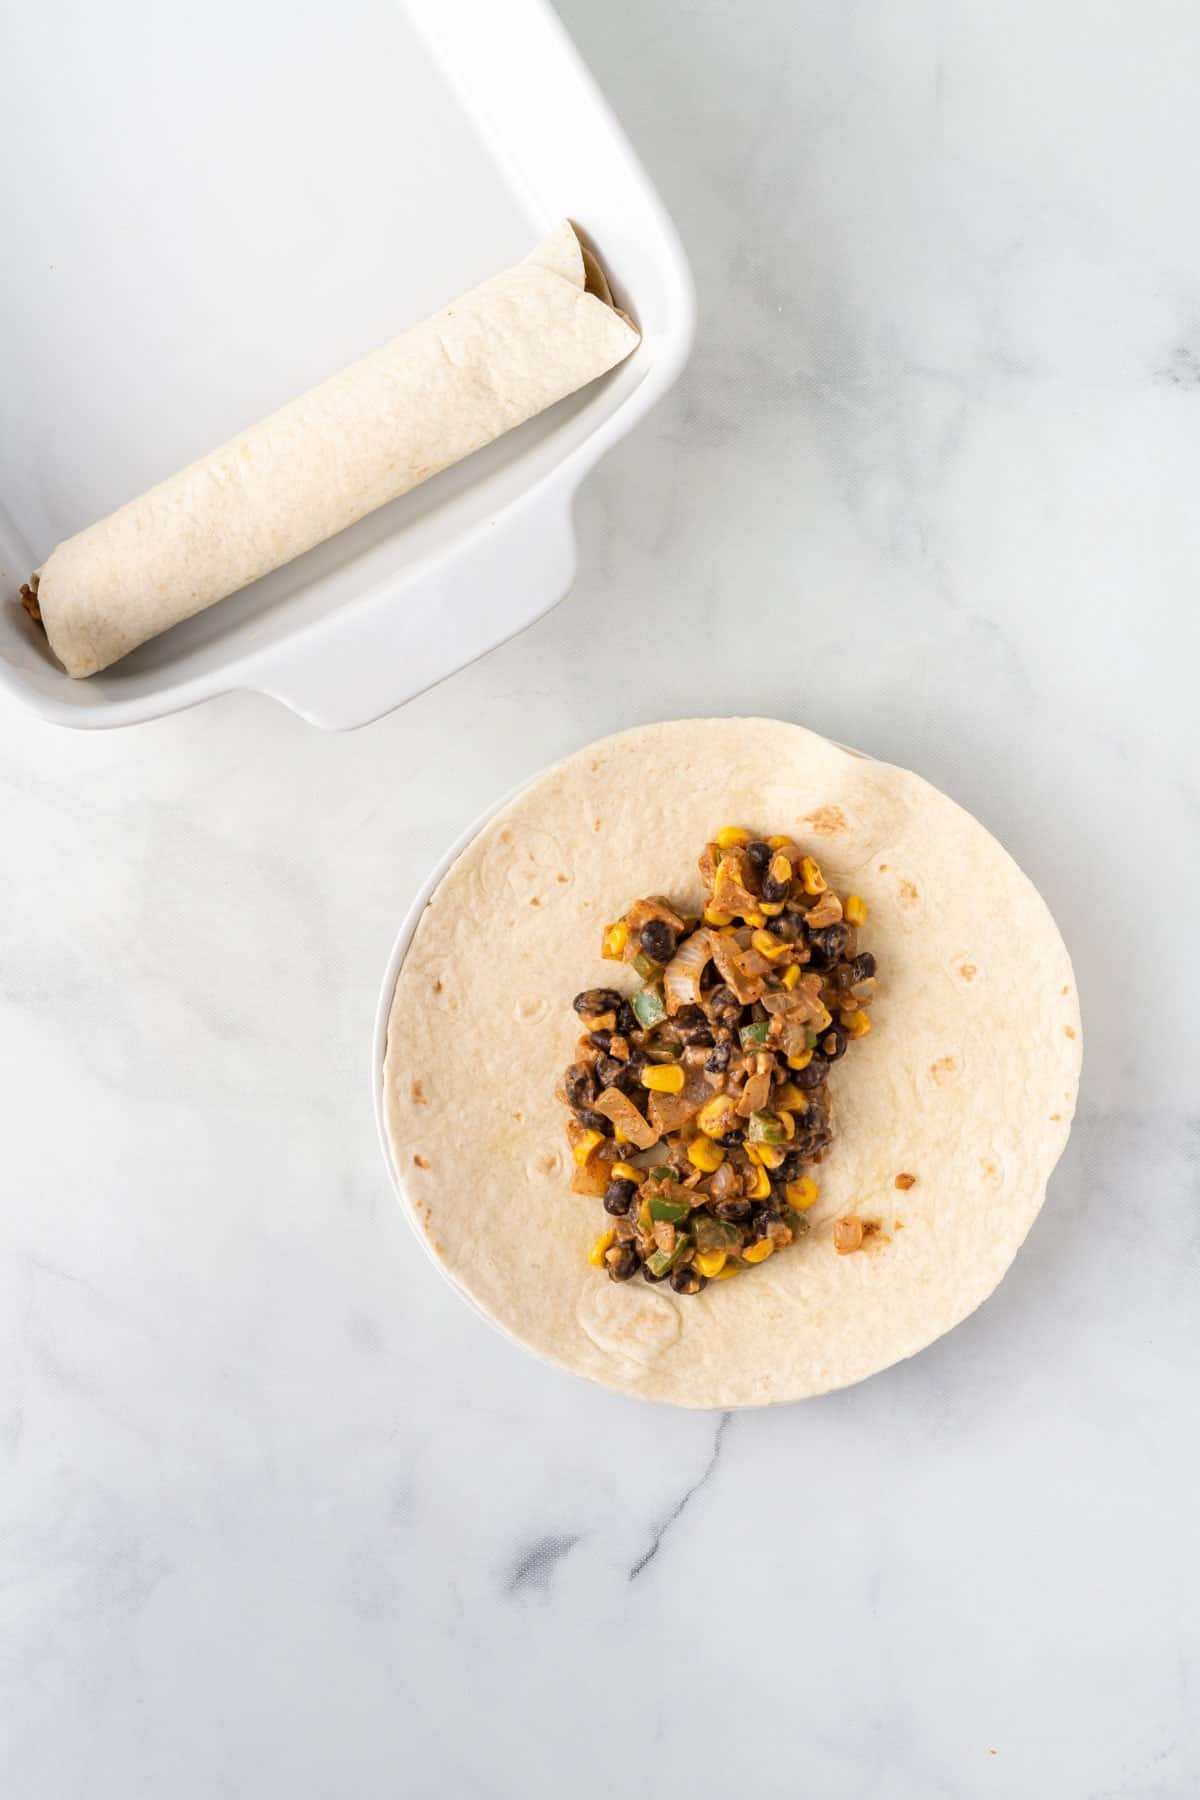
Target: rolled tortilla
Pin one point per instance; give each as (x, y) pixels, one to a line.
(501, 354)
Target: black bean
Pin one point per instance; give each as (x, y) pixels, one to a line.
(594, 1001)
(723, 1004)
(736, 1136)
(609, 1069)
(618, 1196)
(687, 1281)
(774, 891)
(784, 927)
(863, 966)
(600, 1040)
(700, 1037)
(810, 1143)
(626, 1019)
(758, 854)
(579, 1085)
(629, 1080)
(764, 1217)
(649, 1275)
(833, 1044)
(827, 945)
(623, 1266)
(657, 940)
(733, 1210)
(812, 1074)
(691, 1015)
(792, 1166)
(594, 1121)
(717, 1061)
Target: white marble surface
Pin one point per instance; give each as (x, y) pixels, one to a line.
(278, 1515)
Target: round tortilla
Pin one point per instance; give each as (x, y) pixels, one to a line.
(967, 1081)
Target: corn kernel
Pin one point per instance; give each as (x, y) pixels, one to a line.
(710, 1262)
(789, 1099)
(856, 1024)
(714, 916)
(615, 939)
(854, 910)
(759, 1252)
(802, 1193)
(752, 1152)
(781, 868)
(771, 1155)
(768, 946)
(777, 843)
(814, 881)
(730, 836)
(627, 1172)
(755, 917)
(583, 1149)
(714, 1118)
(791, 975)
(663, 1078)
(704, 1154)
(728, 1272)
(800, 1062)
(762, 1186)
(619, 1136)
(599, 1246)
(771, 909)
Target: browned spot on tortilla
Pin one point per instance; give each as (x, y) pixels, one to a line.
(535, 901)
(897, 1224)
(518, 1117)
(418, 1094)
(437, 986)
(826, 821)
(941, 1070)
(597, 825)
(883, 868)
(437, 1247)
(874, 1234)
(597, 763)
(968, 971)
(1068, 1031)
(909, 893)
(1066, 990)
(987, 1167)
(906, 1181)
(422, 1162)
(506, 836)
(562, 878)
(1056, 1118)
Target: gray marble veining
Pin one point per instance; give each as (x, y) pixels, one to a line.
(280, 1516)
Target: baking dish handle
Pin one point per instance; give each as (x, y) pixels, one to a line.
(407, 636)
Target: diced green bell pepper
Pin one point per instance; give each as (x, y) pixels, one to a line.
(645, 965)
(754, 1036)
(766, 1128)
(661, 1262)
(715, 1234)
(670, 1210)
(649, 1007)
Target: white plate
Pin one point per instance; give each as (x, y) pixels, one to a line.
(228, 210)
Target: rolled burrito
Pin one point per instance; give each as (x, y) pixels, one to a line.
(501, 354)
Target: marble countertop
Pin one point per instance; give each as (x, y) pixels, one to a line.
(278, 1514)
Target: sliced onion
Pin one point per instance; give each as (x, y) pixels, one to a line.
(681, 977)
(625, 1116)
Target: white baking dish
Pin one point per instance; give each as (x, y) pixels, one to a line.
(235, 202)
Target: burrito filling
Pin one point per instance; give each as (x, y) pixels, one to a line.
(699, 1101)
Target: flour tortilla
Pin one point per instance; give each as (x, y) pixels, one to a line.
(493, 359)
(967, 1081)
